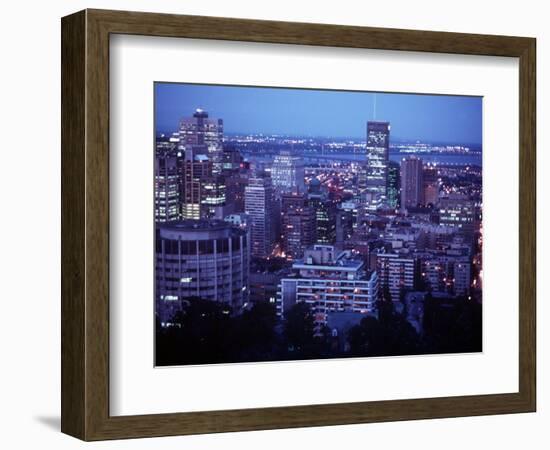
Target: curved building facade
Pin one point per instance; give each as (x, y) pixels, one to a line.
(208, 259)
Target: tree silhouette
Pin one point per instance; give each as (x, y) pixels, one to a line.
(452, 325)
(299, 328)
(389, 335)
(206, 332)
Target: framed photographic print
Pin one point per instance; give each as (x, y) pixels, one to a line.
(270, 224)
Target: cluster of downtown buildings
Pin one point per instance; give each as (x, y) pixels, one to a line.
(240, 227)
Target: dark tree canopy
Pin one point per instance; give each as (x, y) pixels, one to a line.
(207, 332)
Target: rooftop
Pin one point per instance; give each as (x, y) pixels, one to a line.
(327, 257)
(344, 264)
(199, 229)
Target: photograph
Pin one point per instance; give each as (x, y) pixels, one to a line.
(261, 226)
(306, 224)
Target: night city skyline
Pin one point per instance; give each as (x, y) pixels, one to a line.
(272, 245)
(324, 113)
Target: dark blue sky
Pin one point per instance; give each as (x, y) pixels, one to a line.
(434, 118)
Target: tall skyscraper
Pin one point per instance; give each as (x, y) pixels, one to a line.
(234, 178)
(376, 170)
(288, 173)
(431, 185)
(325, 218)
(196, 169)
(235, 184)
(298, 225)
(202, 130)
(259, 205)
(412, 184)
(213, 198)
(394, 185)
(167, 188)
(346, 221)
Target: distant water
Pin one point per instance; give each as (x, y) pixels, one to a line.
(447, 159)
(461, 160)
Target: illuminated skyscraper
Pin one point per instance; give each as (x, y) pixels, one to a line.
(412, 182)
(376, 170)
(259, 205)
(394, 184)
(167, 188)
(204, 193)
(288, 173)
(196, 168)
(298, 225)
(213, 198)
(325, 218)
(201, 130)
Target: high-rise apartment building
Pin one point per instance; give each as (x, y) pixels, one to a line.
(412, 182)
(330, 282)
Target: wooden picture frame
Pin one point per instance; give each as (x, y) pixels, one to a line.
(85, 224)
